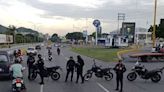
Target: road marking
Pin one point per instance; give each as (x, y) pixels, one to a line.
(103, 87)
(41, 88)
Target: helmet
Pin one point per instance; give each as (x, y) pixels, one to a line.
(16, 61)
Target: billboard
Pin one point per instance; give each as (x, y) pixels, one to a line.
(128, 30)
(6, 38)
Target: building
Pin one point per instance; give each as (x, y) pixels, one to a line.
(128, 30)
(142, 36)
(113, 41)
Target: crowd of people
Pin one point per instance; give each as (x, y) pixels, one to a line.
(71, 67)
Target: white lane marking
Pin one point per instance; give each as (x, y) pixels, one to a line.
(64, 56)
(103, 87)
(41, 88)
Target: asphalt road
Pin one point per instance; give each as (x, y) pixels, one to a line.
(93, 85)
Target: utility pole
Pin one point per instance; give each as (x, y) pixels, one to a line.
(154, 27)
(121, 16)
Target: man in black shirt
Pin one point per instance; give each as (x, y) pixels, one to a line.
(119, 69)
(40, 64)
(30, 62)
(70, 68)
(79, 67)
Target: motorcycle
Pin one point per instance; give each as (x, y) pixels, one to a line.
(49, 72)
(143, 73)
(18, 85)
(99, 72)
(50, 58)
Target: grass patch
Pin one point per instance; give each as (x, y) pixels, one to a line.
(108, 55)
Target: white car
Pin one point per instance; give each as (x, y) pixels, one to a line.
(31, 50)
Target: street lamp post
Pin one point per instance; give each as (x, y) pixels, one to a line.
(154, 27)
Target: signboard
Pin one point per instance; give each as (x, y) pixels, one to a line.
(128, 30)
(6, 38)
(96, 23)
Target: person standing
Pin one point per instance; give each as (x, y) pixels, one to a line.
(79, 67)
(30, 63)
(40, 64)
(70, 68)
(58, 51)
(119, 69)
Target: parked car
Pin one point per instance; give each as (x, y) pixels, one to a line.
(38, 47)
(6, 59)
(31, 50)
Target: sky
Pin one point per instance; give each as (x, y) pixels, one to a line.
(63, 16)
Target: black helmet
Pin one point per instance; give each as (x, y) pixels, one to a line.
(16, 61)
(39, 55)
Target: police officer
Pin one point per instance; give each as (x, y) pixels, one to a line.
(40, 64)
(119, 69)
(79, 67)
(70, 68)
(30, 63)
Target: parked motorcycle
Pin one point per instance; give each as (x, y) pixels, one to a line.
(143, 73)
(49, 72)
(99, 72)
(18, 85)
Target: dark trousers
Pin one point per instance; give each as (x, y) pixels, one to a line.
(80, 74)
(68, 72)
(41, 71)
(119, 80)
(30, 70)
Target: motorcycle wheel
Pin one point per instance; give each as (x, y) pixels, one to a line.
(132, 76)
(109, 77)
(156, 78)
(32, 76)
(55, 76)
(87, 76)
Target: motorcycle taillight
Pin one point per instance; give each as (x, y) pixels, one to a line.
(18, 81)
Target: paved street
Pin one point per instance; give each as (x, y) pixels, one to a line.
(93, 85)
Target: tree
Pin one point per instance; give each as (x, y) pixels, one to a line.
(19, 38)
(74, 35)
(55, 38)
(12, 30)
(94, 35)
(159, 30)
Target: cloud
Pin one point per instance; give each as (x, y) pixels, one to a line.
(72, 11)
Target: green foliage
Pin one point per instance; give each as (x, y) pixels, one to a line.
(55, 38)
(94, 35)
(75, 35)
(159, 30)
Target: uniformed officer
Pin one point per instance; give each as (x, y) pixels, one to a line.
(30, 63)
(79, 67)
(119, 69)
(70, 68)
(40, 64)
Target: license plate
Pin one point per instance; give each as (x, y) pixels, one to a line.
(18, 85)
